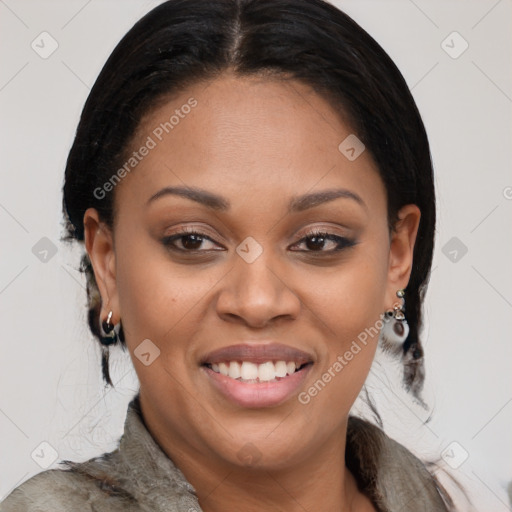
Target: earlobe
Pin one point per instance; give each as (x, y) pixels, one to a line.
(100, 248)
(403, 239)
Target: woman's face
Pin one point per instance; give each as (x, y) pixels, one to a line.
(286, 259)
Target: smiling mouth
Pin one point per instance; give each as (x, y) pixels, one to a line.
(252, 373)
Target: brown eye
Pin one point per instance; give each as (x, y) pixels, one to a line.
(315, 243)
(322, 242)
(189, 241)
(192, 242)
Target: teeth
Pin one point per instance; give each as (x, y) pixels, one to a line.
(234, 370)
(280, 369)
(248, 371)
(266, 371)
(224, 368)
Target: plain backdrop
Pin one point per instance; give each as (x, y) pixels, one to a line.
(50, 382)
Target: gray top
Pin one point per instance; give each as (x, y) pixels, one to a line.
(139, 476)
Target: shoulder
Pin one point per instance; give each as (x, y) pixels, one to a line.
(64, 490)
(392, 474)
(136, 476)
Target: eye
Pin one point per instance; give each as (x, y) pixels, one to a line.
(318, 241)
(190, 240)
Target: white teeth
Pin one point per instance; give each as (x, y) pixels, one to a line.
(247, 371)
(266, 371)
(280, 369)
(234, 370)
(224, 368)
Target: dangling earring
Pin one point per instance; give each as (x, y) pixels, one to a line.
(395, 328)
(107, 327)
(394, 338)
(109, 336)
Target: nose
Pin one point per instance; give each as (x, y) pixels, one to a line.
(257, 294)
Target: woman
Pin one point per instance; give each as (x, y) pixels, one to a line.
(252, 183)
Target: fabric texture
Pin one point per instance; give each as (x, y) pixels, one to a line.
(139, 476)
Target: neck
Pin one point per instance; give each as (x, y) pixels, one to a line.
(320, 477)
(302, 487)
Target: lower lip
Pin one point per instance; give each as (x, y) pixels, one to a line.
(257, 394)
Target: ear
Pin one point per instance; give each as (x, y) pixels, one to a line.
(99, 245)
(401, 250)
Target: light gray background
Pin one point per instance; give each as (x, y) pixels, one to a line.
(51, 388)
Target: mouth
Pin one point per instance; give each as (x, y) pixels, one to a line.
(257, 375)
(251, 373)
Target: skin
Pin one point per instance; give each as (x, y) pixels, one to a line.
(257, 143)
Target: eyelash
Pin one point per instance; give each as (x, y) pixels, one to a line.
(342, 242)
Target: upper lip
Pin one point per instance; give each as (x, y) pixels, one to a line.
(257, 353)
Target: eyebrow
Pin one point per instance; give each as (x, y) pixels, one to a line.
(297, 203)
(212, 201)
(301, 203)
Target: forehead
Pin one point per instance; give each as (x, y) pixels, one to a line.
(243, 137)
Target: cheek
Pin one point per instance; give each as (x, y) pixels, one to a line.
(347, 305)
(349, 298)
(158, 300)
